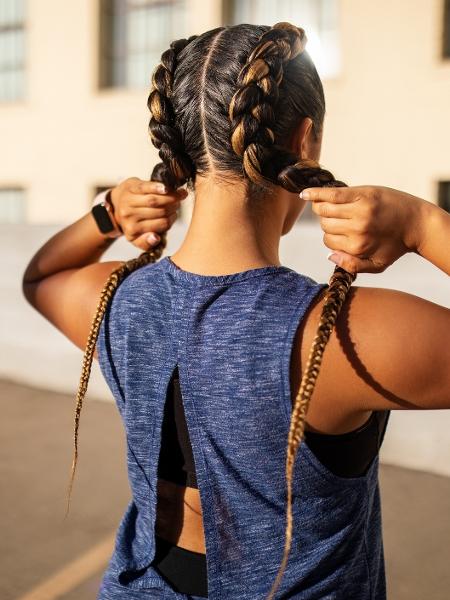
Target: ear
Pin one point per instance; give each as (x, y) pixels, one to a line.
(300, 139)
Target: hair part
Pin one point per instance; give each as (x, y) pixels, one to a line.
(223, 103)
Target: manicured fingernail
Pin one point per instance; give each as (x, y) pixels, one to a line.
(152, 238)
(333, 257)
(305, 195)
(161, 188)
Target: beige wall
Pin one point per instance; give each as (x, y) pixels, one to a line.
(388, 116)
(388, 120)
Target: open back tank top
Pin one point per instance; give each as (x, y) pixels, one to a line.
(230, 339)
(347, 454)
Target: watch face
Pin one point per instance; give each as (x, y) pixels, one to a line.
(102, 219)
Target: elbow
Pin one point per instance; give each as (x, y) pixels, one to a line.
(27, 291)
(28, 286)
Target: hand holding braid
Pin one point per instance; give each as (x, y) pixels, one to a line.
(252, 115)
(177, 166)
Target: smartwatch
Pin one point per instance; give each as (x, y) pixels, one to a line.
(103, 212)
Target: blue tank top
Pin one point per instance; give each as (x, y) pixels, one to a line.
(231, 337)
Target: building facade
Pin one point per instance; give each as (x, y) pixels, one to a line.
(75, 78)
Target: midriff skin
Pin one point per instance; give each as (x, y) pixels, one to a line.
(179, 516)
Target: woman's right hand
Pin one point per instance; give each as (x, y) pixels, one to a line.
(368, 227)
(143, 209)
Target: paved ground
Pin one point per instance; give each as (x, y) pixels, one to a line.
(44, 558)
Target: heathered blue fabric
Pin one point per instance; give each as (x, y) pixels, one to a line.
(232, 337)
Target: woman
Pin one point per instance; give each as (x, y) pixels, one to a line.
(222, 330)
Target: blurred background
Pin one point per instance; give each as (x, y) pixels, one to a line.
(74, 82)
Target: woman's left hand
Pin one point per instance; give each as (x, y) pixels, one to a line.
(367, 227)
(143, 209)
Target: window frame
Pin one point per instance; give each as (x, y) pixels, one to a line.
(443, 200)
(23, 209)
(109, 56)
(328, 71)
(19, 68)
(445, 44)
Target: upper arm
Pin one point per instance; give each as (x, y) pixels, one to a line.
(69, 299)
(388, 350)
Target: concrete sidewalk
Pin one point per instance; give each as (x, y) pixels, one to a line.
(46, 558)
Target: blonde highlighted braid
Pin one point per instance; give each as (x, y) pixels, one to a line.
(175, 169)
(252, 115)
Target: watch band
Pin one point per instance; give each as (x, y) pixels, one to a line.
(103, 212)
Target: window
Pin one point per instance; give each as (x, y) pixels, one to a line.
(133, 35)
(12, 205)
(444, 195)
(446, 31)
(12, 51)
(319, 19)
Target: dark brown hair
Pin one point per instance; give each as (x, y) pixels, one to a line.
(222, 104)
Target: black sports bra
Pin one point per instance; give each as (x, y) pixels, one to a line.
(346, 455)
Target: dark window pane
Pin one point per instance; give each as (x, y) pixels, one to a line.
(444, 195)
(133, 35)
(446, 30)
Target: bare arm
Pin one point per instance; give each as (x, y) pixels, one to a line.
(389, 350)
(64, 279)
(370, 227)
(434, 240)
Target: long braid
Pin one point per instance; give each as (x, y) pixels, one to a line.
(173, 171)
(110, 287)
(252, 115)
(176, 166)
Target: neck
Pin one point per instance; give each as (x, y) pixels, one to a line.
(229, 232)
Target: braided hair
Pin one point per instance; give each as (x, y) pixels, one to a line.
(252, 114)
(173, 171)
(222, 103)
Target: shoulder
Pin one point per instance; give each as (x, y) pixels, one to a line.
(383, 352)
(135, 286)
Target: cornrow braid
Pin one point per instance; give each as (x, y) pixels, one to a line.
(251, 109)
(176, 166)
(252, 116)
(173, 172)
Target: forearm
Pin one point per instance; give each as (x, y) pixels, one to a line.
(434, 242)
(77, 245)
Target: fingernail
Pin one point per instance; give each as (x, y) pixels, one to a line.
(161, 188)
(152, 238)
(333, 257)
(305, 195)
